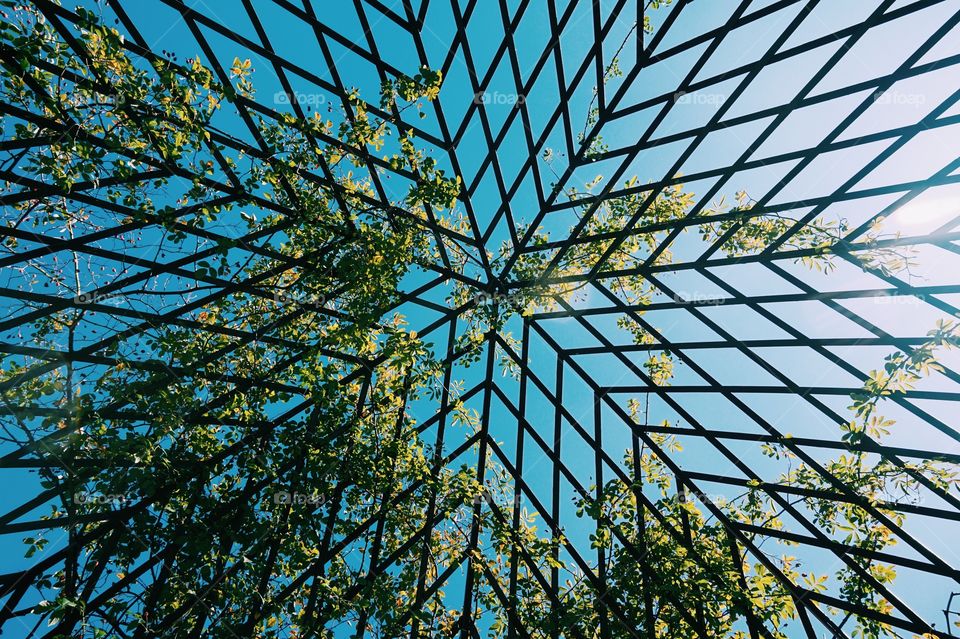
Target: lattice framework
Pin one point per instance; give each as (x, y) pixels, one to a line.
(510, 193)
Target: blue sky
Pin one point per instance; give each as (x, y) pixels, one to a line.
(881, 51)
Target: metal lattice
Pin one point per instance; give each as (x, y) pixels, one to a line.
(819, 109)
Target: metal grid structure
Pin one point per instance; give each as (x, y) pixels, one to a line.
(740, 388)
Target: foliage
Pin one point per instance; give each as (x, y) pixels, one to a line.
(256, 487)
(200, 463)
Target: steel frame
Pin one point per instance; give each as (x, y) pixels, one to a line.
(538, 437)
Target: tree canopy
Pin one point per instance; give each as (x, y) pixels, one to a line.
(237, 429)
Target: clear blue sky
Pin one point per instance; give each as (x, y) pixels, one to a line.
(880, 52)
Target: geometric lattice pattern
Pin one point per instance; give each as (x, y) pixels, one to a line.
(568, 128)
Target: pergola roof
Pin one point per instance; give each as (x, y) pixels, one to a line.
(816, 111)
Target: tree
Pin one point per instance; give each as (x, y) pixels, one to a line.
(251, 466)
